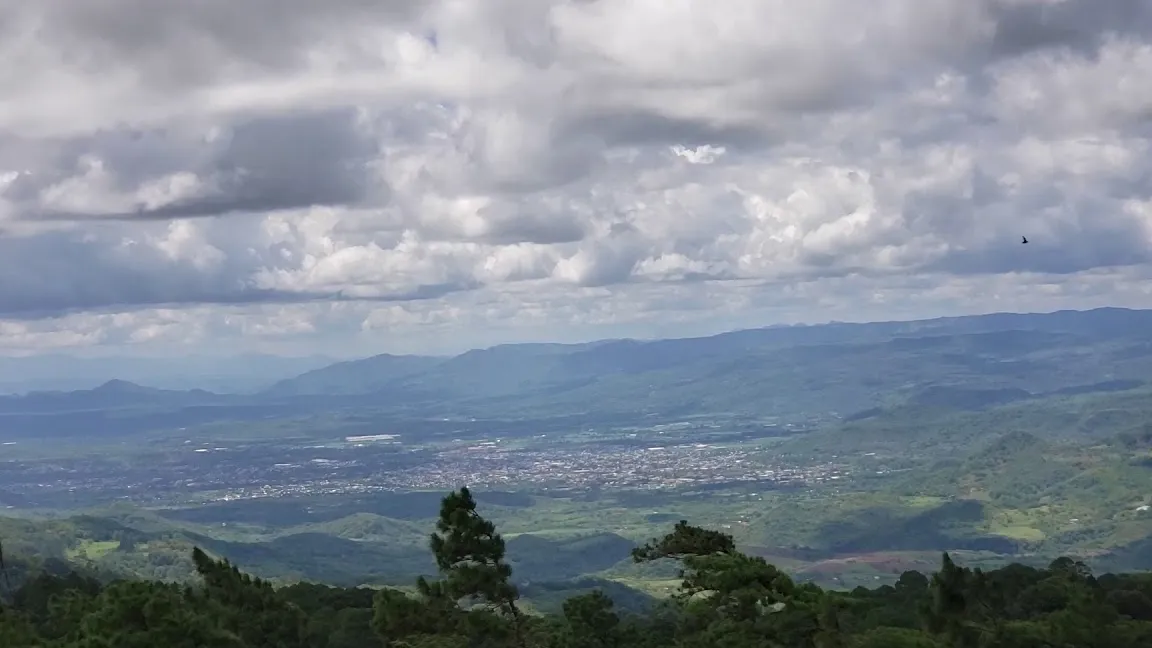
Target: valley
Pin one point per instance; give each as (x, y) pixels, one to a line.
(897, 441)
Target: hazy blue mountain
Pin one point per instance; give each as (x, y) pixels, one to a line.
(354, 376)
(233, 374)
(964, 363)
(112, 394)
(998, 347)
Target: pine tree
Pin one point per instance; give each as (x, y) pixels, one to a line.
(470, 556)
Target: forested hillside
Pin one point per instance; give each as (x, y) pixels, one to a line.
(726, 599)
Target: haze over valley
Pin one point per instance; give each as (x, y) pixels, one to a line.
(828, 447)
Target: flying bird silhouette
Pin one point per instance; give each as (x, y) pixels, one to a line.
(1024, 240)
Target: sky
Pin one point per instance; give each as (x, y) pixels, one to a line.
(350, 177)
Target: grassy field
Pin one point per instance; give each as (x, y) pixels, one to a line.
(92, 549)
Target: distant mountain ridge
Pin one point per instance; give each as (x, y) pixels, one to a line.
(109, 395)
(354, 376)
(243, 373)
(969, 361)
(1005, 330)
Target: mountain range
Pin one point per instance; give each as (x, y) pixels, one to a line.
(243, 373)
(851, 369)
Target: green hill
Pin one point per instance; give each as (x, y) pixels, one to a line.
(368, 527)
(552, 560)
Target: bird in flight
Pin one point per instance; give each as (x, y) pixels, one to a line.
(1024, 240)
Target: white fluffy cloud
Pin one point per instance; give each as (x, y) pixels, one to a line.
(419, 175)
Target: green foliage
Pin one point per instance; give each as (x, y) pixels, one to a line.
(470, 554)
(685, 540)
(146, 614)
(252, 608)
(726, 599)
(589, 622)
(888, 637)
(470, 557)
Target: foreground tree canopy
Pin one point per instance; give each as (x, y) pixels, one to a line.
(726, 600)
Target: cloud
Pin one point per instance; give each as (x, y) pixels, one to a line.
(374, 171)
(259, 165)
(1081, 25)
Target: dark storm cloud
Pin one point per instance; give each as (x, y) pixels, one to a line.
(268, 163)
(804, 85)
(1077, 24)
(58, 273)
(134, 155)
(51, 274)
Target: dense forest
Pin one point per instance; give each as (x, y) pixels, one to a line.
(727, 600)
